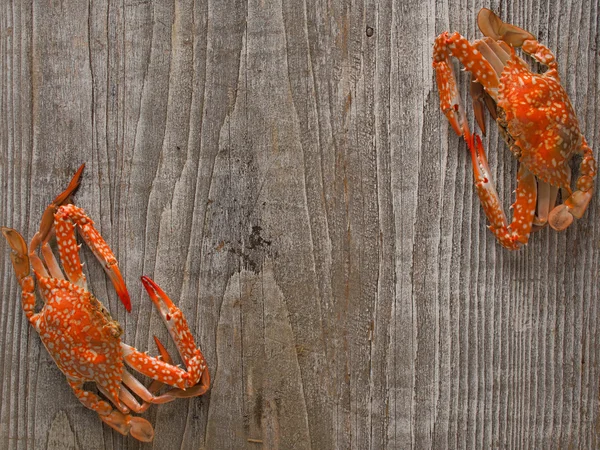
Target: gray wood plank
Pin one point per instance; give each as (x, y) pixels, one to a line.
(282, 169)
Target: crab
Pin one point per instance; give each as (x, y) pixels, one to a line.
(535, 118)
(79, 333)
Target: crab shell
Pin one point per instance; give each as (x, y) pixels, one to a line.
(540, 122)
(80, 335)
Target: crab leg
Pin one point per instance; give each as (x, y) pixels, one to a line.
(89, 399)
(545, 202)
(195, 391)
(20, 262)
(450, 102)
(126, 424)
(42, 237)
(119, 420)
(158, 369)
(48, 216)
(481, 100)
(129, 400)
(147, 394)
(484, 74)
(51, 262)
(65, 220)
(493, 27)
(178, 329)
(575, 205)
(517, 234)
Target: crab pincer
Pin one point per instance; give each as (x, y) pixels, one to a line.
(180, 332)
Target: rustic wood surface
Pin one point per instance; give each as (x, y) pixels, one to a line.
(283, 170)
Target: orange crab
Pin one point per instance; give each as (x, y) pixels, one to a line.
(534, 116)
(79, 333)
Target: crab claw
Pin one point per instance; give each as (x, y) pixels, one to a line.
(178, 329)
(196, 391)
(492, 26)
(161, 300)
(67, 218)
(114, 274)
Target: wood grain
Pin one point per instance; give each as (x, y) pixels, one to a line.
(283, 171)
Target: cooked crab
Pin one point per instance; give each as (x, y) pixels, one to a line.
(534, 116)
(79, 333)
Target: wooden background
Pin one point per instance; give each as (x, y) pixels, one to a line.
(283, 170)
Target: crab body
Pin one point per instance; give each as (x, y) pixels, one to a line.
(79, 333)
(535, 117)
(540, 122)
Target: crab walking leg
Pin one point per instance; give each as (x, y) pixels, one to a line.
(48, 217)
(517, 234)
(576, 204)
(493, 27)
(497, 57)
(36, 262)
(65, 220)
(128, 398)
(178, 329)
(121, 421)
(20, 262)
(147, 395)
(89, 399)
(51, 262)
(126, 424)
(546, 200)
(480, 101)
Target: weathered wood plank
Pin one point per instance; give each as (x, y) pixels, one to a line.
(282, 169)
